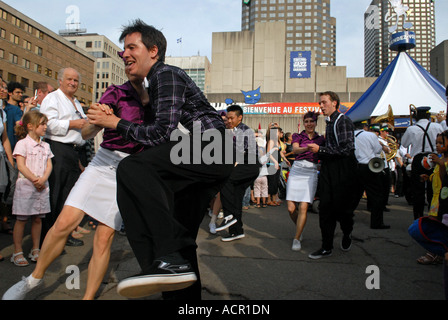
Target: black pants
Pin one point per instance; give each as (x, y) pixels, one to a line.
(273, 182)
(163, 204)
(337, 193)
(232, 193)
(385, 180)
(65, 173)
(371, 183)
(420, 189)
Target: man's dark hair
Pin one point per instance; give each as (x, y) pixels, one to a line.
(235, 108)
(42, 85)
(15, 85)
(333, 97)
(150, 36)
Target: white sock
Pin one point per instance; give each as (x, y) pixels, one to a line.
(213, 219)
(33, 282)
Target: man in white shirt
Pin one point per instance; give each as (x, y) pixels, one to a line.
(368, 147)
(422, 137)
(66, 118)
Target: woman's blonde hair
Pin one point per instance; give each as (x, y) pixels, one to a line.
(34, 118)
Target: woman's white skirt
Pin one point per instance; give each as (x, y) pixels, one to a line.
(95, 192)
(302, 182)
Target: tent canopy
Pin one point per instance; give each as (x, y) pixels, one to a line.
(404, 82)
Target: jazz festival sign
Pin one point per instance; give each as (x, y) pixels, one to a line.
(300, 64)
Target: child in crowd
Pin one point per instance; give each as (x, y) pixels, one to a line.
(31, 196)
(442, 149)
(261, 189)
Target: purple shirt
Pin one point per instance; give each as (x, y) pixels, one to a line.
(303, 140)
(127, 105)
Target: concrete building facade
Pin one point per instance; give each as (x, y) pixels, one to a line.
(29, 53)
(439, 62)
(309, 25)
(247, 60)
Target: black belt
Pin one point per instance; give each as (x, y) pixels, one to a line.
(75, 147)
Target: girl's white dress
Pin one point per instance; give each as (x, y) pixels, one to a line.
(27, 200)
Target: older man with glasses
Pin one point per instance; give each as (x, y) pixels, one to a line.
(66, 118)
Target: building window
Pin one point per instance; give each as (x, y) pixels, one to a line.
(12, 77)
(2, 33)
(89, 44)
(13, 58)
(38, 68)
(14, 39)
(48, 72)
(38, 51)
(2, 54)
(27, 45)
(25, 82)
(26, 63)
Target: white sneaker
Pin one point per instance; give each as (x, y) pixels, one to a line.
(20, 289)
(296, 245)
(212, 227)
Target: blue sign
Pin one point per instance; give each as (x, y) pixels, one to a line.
(402, 41)
(300, 64)
(402, 122)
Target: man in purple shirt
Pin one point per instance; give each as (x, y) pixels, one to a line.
(163, 200)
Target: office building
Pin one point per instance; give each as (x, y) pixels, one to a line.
(109, 67)
(439, 62)
(30, 53)
(309, 26)
(377, 35)
(197, 67)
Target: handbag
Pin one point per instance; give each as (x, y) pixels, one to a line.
(4, 173)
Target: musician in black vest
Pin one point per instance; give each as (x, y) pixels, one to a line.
(422, 137)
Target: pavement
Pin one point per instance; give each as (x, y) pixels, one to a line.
(381, 264)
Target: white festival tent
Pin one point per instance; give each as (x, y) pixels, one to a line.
(402, 84)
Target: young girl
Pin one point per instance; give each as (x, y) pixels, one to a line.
(31, 196)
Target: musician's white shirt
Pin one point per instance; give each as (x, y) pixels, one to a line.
(414, 137)
(367, 146)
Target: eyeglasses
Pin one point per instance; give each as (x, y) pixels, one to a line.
(79, 114)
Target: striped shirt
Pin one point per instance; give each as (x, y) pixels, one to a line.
(174, 98)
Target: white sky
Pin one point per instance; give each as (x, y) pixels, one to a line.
(195, 20)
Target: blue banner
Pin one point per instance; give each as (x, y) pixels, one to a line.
(300, 64)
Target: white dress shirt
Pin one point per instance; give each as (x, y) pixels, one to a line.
(60, 111)
(367, 146)
(414, 137)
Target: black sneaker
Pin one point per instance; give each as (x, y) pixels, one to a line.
(321, 253)
(72, 242)
(227, 222)
(346, 243)
(233, 236)
(162, 277)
